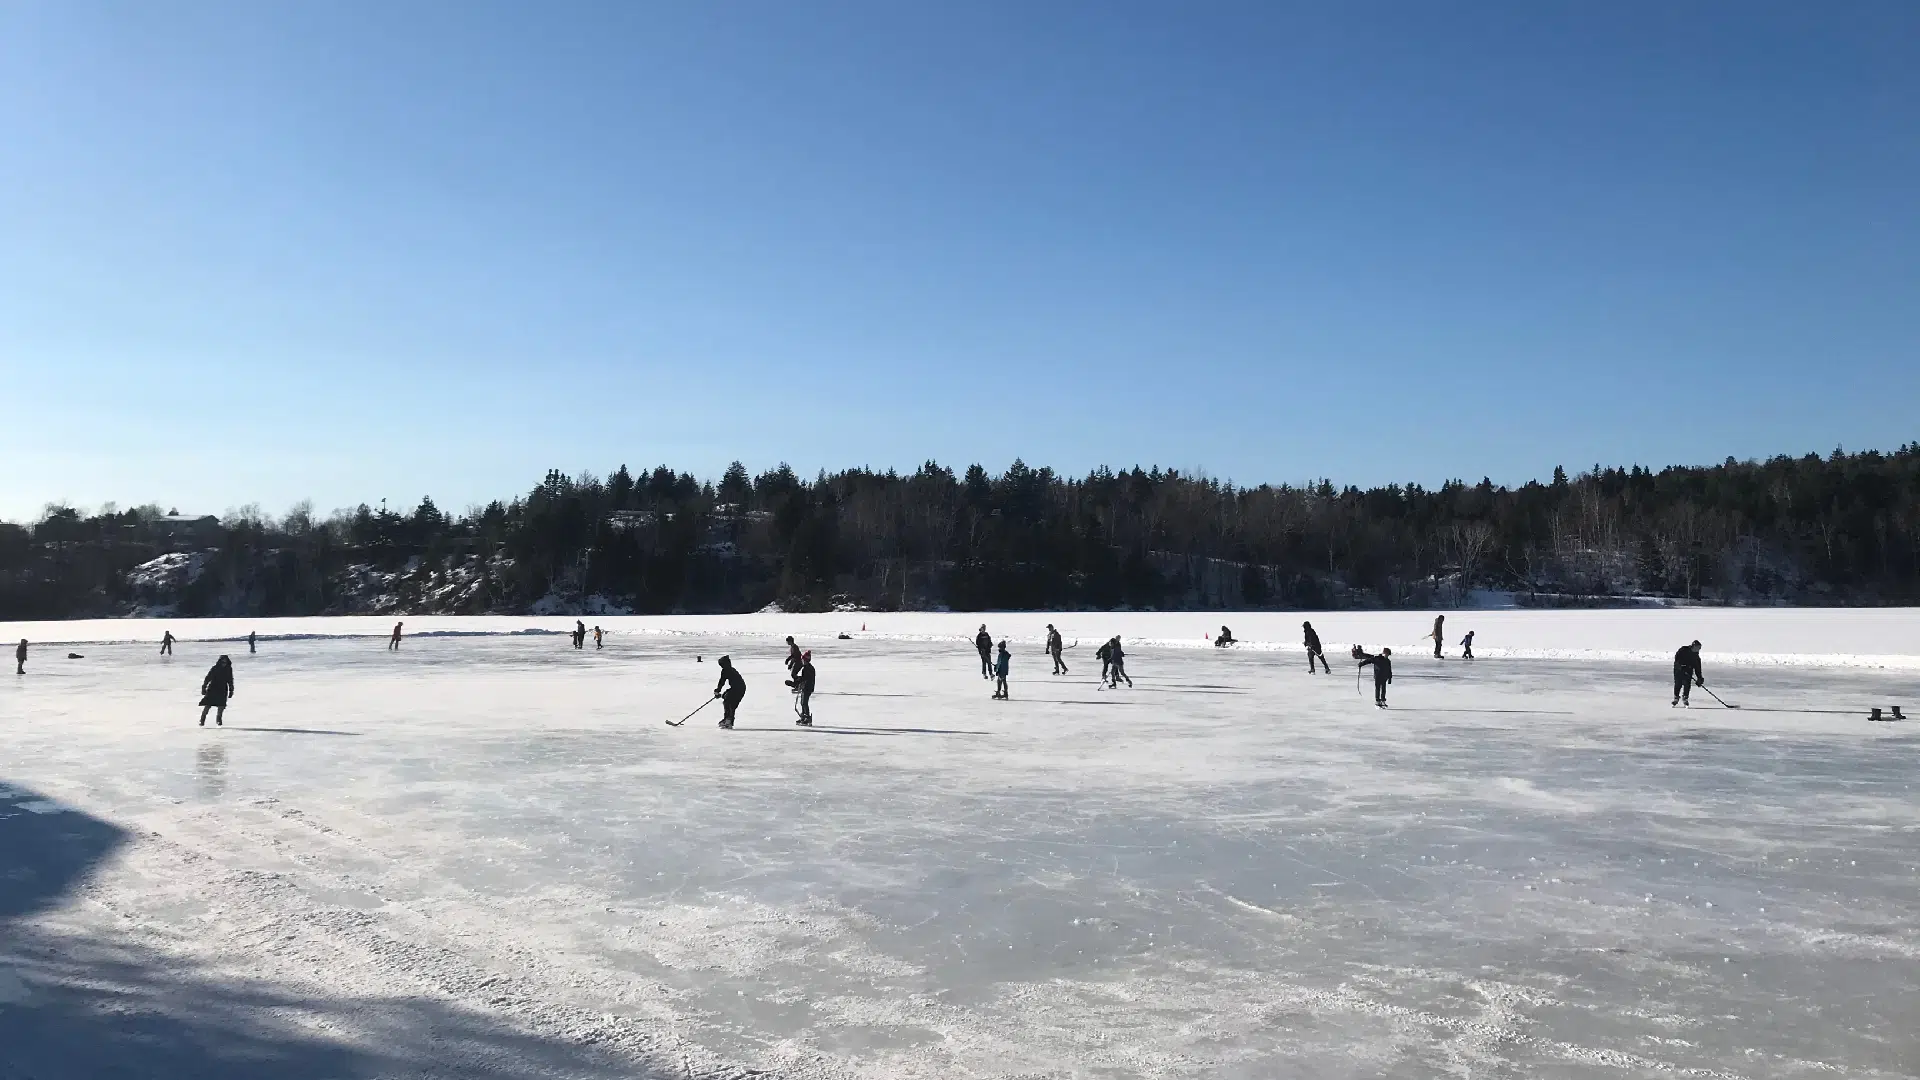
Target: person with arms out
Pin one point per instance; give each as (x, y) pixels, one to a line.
(393, 643)
(730, 690)
(599, 638)
(1382, 666)
(1312, 641)
(1001, 664)
(166, 643)
(215, 689)
(803, 681)
(1054, 649)
(1687, 674)
(983, 643)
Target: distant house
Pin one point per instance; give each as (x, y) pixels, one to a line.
(187, 532)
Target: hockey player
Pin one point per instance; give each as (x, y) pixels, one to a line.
(215, 689)
(793, 661)
(803, 679)
(1312, 641)
(730, 690)
(1118, 657)
(1105, 653)
(1382, 672)
(1001, 664)
(1438, 635)
(166, 643)
(983, 642)
(1687, 674)
(1054, 649)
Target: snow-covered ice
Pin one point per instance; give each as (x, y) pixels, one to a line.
(487, 855)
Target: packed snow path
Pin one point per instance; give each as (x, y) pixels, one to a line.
(489, 856)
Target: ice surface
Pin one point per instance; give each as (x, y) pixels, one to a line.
(487, 855)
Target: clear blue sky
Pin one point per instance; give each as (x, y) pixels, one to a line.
(263, 252)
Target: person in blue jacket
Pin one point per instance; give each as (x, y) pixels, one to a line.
(1000, 665)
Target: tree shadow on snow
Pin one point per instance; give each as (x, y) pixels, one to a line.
(95, 1006)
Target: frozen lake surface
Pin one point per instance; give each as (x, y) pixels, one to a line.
(489, 856)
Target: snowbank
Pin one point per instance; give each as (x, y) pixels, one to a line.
(1849, 637)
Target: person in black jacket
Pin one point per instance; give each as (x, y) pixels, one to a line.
(1105, 653)
(803, 679)
(730, 690)
(1117, 659)
(215, 689)
(1382, 673)
(1226, 637)
(1054, 649)
(20, 657)
(983, 641)
(1687, 674)
(1314, 649)
(793, 662)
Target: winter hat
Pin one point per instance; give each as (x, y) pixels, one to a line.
(807, 656)
(726, 661)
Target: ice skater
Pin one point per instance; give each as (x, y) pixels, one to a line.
(730, 690)
(250, 646)
(166, 643)
(803, 681)
(1054, 649)
(1117, 657)
(1686, 675)
(1225, 638)
(1382, 672)
(393, 643)
(1105, 653)
(1001, 663)
(1312, 641)
(983, 642)
(1438, 635)
(1466, 646)
(599, 638)
(794, 656)
(579, 634)
(20, 657)
(215, 689)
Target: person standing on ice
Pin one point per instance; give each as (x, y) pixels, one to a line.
(1054, 649)
(1687, 674)
(730, 690)
(20, 657)
(250, 646)
(1118, 658)
(1001, 664)
(166, 643)
(579, 634)
(215, 689)
(393, 643)
(1382, 673)
(1466, 646)
(983, 642)
(599, 638)
(803, 680)
(1312, 641)
(1438, 635)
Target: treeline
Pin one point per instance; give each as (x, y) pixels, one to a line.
(1839, 529)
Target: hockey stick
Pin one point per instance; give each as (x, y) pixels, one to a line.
(1716, 697)
(691, 715)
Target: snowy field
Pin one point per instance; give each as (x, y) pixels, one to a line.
(486, 855)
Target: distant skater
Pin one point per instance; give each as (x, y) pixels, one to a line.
(1312, 641)
(215, 689)
(579, 634)
(1687, 674)
(1466, 646)
(730, 690)
(250, 646)
(1438, 635)
(599, 638)
(983, 642)
(1382, 673)
(1118, 658)
(1225, 638)
(393, 643)
(803, 681)
(20, 657)
(794, 658)
(1000, 665)
(1054, 649)
(166, 643)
